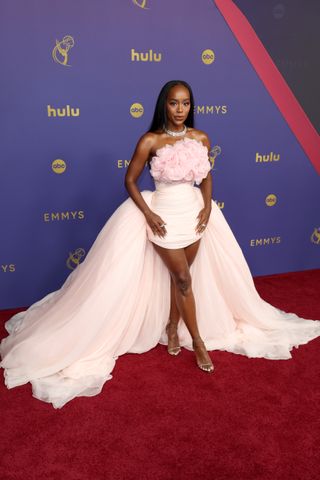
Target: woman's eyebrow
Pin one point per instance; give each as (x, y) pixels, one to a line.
(176, 99)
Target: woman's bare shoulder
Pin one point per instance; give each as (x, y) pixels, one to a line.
(150, 140)
(199, 135)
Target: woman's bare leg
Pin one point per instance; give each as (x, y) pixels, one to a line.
(174, 315)
(177, 264)
(172, 325)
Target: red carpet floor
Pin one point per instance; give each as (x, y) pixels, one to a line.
(161, 418)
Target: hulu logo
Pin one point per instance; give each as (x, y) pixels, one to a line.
(63, 112)
(271, 157)
(149, 56)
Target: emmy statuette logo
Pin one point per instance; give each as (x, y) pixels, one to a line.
(208, 56)
(58, 166)
(149, 56)
(60, 52)
(214, 152)
(271, 200)
(63, 112)
(315, 236)
(75, 258)
(136, 110)
(141, 3)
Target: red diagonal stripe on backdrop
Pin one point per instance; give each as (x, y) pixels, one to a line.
(274, 82)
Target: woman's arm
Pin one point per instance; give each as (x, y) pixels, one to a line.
(140, 157)
(206, 190)
(206, 184)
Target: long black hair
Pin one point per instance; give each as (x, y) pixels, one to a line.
(160, 114)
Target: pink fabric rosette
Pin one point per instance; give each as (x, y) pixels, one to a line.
(184, 161)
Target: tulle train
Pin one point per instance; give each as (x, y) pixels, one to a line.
(117, 301)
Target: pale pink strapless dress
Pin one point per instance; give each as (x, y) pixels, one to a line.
(118, 299)
(175, 169)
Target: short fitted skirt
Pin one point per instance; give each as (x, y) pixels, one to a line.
(178, 204)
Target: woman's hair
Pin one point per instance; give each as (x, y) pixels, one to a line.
(160, 114)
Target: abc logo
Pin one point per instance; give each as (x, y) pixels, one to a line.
(207, 56)
(58, 165)
(271, 200)
(136, 110)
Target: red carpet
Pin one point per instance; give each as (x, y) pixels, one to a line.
(161, 418)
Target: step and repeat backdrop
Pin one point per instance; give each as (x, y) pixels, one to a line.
(78, 88)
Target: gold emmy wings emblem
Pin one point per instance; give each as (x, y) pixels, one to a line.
(60, 53)
(214, 152)
(315, 237)
(141, 3)
(75, 258)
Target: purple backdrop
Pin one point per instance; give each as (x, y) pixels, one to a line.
(63, 167)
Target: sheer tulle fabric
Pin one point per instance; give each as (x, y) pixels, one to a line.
(117, 301)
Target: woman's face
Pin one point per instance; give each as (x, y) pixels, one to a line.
(177, 106)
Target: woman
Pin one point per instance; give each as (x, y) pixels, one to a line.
(134, 288)
(173, 120)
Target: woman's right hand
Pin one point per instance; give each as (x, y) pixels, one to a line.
(156, 224)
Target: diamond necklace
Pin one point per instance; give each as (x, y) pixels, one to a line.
(176, 134)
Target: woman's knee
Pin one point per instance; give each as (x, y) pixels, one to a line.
(182, 281)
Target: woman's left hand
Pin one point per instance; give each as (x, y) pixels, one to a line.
(203, 218)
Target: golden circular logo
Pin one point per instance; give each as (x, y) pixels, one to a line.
(58, 165)
(136, 110)
(207, 56)
(271, 200)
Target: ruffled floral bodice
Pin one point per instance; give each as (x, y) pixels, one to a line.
(184, 161)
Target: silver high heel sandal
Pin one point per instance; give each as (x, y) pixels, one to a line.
(172, 350)
(205, 367)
